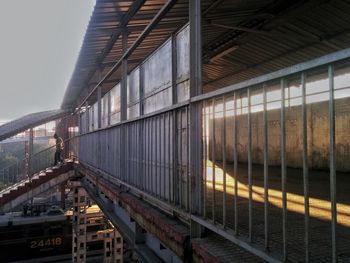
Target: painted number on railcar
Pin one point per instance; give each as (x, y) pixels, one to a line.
(50, 242)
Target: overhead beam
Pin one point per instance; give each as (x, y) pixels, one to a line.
(123, 23)
(161, 13)
(212, 7)
(242, 28)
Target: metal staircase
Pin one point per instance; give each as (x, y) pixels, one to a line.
(24, 190)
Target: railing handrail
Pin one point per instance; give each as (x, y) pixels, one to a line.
(282, 73)
(36, 154)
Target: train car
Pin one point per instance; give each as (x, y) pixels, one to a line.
(35, 237)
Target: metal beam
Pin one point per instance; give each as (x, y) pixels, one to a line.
(195, 124)
(137, 4)
(212, 7)
(333, 57)
(141, 249)
(244, 29)
(123, 83)
(162, 12)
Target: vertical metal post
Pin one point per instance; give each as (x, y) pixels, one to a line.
(250, 210)
(266, 170)
(205, 149)
(196, 198)
(175, 157)
(149, 152)
(164, 157)
(332, 162)
(213, 144)
(130, 142)
(305, 167)
(99, 108)
(174, 68)
(123, 105)
(152, 155)
(283, 168)
(99, 125)
(223, 146)
(30, 162)
(124, 78)
(141, 91)
(109, 109)
(169, 156)
(87, 116)
(156, 152)
(188, 142)
(80, 125)
(140, 172)
(181, 164)
(30, 152)
(235, 162)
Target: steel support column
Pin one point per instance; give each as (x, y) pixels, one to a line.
(124, 78)
(30, 152)
(87, 116)
(99, 108)
(109, 109)
(174, 68)
(123, 107)
(141, 91)
(195, 125)
(332, 163)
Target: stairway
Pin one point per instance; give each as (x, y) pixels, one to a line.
(26, 189)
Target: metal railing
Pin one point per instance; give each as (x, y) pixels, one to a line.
(150, 161)
(24, 169)
(264, 187)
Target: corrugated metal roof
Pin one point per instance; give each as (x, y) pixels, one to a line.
(14, 127)
(104, 33)
(241, 39)
(291, 32)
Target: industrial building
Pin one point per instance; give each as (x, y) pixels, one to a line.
(208, 130)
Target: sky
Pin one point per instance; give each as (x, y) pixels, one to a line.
(39, 45)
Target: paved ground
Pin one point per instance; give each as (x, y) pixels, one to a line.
(320, 215)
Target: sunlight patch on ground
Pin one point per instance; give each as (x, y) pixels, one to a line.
(319, 208)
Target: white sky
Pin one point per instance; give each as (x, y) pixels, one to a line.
(39, 45)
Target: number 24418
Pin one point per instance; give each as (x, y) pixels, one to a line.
(46, 242)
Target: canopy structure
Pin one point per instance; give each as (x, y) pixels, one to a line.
(14, 127)
(240, 39)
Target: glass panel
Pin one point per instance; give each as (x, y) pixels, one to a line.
(183, 63)
(157, 77)
(115, 104)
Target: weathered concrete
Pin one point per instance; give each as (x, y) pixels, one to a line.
(318, 136)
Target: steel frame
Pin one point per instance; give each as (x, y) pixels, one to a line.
(153, 122)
